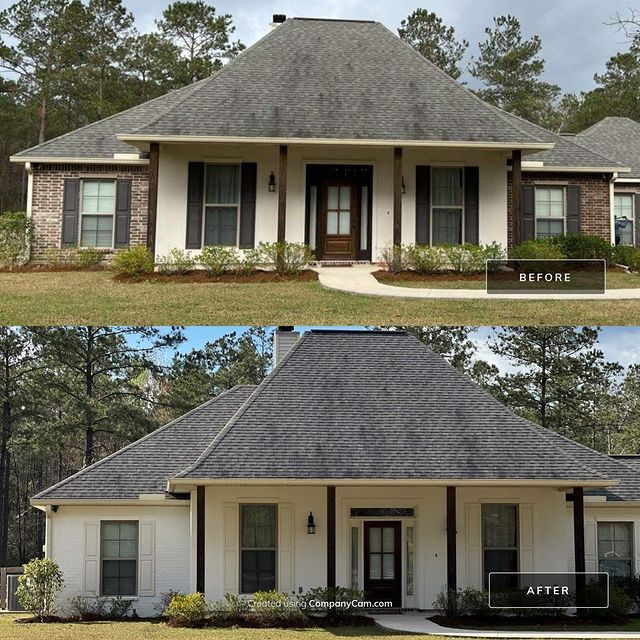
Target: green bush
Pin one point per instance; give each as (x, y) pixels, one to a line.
(74, 258)
(285, 258)
(165, 598)
(190, 610)
(248, 262)
(580, 247)
(39, 586)
(177, 263)
(218, 260)
(88, 609)
(16, 234)
(620, 603)
(395, 259)
(274, 609)
(87, 258)
(545, 249)
(229, 611)
(474, 602)
(340, 599)
(628, 256)
(472, 258)
(426, 260)
(448, 601)
(136, 261)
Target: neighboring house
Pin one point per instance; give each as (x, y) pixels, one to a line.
(330, 132)
(412, 476)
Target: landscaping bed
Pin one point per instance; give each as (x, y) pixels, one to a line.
(196, 276)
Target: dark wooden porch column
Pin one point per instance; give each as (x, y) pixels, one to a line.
(200, 539)
(397, 196)
(516, 191)
(578, 540)
(331, 536)
(282, 193)
(452, 577)
(152, 206)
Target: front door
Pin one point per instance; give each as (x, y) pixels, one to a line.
(382, 562)
(338, 221)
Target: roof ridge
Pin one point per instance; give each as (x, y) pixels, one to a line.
(135, 443)
(242, 409)
(461, 86)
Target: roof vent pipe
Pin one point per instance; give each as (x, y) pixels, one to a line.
(283, 339)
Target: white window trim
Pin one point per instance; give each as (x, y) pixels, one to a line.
(206, 204)
(632, 556)
(632, 195)
(490, 502)
(564, 208)
(256, 502)
(101, 520)
(462, 206)
(82, 213)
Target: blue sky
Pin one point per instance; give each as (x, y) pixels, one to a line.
(576, 40)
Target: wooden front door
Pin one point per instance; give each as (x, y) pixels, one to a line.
(338, 221)
(383, 562)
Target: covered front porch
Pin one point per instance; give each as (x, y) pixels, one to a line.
(399, 543)
(348, 202)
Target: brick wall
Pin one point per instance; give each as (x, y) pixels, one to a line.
(48, 186)
(595, 217)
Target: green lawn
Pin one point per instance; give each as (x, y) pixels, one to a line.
(94, 298)
(10, 630)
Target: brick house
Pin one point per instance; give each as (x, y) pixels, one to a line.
(334, 133)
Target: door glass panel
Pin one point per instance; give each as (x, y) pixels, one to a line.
(355, 536)
(332, 222)
(345, 223)
(388, 566)
(345, 198)
(388, 537)
(409, 561)
(332, 198)
(375, 540)
(375, 569)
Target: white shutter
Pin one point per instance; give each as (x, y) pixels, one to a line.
(590, 545)
(286, 534)
(526, 538)
(473, 545)
(91, 558)
(147, 561)
(231, 545)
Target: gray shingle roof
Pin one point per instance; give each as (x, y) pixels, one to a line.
(617, 138)
(381, 405)
(145, 465)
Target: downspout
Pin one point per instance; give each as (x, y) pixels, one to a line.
(29, 169)
(48, 532)
(612, 217)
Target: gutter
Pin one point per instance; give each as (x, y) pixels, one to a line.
(75, 160)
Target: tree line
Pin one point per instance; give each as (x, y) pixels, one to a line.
(73, 395)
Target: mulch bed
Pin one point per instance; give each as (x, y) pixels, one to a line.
(48, 268)
(200, 276)
(473, 622)
(447, 276)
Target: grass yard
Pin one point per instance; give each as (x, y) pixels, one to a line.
(10, 630)
(95, 298)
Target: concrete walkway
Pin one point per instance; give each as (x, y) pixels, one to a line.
(418, 623)
(358, 279)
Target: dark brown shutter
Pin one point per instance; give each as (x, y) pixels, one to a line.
(248, 205)
(423, 204)
(70, 209)
(528, 208)
(471, 205)
(636, 224)
(573, 209)
(123, 213)
(195, 202)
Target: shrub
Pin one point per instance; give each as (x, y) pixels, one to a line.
(229, 611)
(579, 247)
(248, 263)
(177, 263)
(628, 256)
(285, 258)
(217, 260)
(88, 609)
(620, 603)
(136, 261)
(447, 601)
(425, 260)
(343, 597)
(546, 249)
(274, 609)
(395, 259)
(87, 258)
(39, 586)
(165, 598)
(189, 610)
(16, 234)
(474, 602)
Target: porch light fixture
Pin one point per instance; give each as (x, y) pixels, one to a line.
(404, 189)
(311, 524)
(272, 183)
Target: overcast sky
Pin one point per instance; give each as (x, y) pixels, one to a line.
(576, 41)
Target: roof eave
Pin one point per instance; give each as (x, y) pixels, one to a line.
(573, 169)
(41, 503)
(78, 160)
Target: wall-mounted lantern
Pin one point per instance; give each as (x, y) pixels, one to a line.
(272, 183)
(311, 524)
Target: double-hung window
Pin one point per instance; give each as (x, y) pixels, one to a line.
(550, 212)
(615, 548)
(119, 557)
(222, 204)
(623, 212)
(500, 543)
(97, 213)
(258, 546)
(447, 205)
